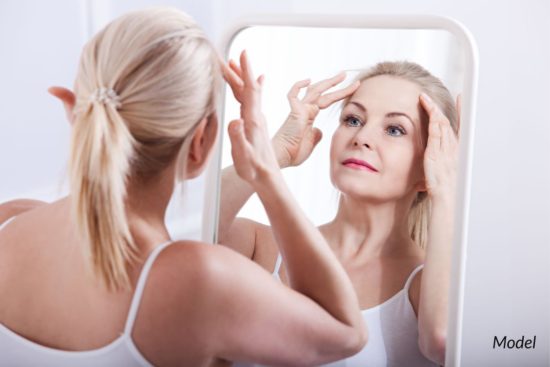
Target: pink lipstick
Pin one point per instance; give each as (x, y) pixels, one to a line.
(358, 164)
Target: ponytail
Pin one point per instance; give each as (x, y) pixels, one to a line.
(101, 150)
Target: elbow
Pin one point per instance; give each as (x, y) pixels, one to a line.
(360, 339)
(432, 345)
(356, 341)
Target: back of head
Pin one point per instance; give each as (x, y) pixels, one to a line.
(432, 86)
(143, 84)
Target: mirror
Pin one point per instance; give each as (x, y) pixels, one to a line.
(290, 49)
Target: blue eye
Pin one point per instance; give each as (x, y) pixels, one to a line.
(352, 121)
(394, 130)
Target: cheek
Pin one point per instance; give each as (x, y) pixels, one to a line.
(404, 160)
(335, 145)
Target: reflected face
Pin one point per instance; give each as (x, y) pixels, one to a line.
(378, 148)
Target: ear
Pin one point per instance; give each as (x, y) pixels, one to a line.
(67, 97)
(201, 145)
(421, 185)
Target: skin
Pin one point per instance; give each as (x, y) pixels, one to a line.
(414, 151)
(196, 309)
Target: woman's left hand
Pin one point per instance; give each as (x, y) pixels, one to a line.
(253, 155)
(441, 155)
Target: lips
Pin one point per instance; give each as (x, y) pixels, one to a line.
(358, 164)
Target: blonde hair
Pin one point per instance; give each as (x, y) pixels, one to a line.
(143, 84)
(432, 86)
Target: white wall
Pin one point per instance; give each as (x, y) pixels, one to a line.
(40, 45)
(507, 280)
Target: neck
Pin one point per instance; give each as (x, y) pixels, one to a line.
(371, 229)
(146, 203)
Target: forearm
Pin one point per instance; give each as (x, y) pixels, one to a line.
(311, 266)
(433, 307)
(235, 192)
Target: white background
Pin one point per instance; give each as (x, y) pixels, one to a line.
(507, 279)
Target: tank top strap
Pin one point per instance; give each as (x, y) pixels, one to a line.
(411, 277)
(138, 292)
(6, 222)
(278, 266)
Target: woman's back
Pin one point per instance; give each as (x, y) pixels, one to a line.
(59, 305)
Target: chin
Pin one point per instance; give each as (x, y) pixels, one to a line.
(363, 190)
(357, 189)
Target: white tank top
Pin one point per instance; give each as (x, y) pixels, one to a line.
(16, 351)
(393, 333)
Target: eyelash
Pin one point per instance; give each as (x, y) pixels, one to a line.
(349, 118)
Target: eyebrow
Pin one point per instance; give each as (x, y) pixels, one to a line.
(390, 114)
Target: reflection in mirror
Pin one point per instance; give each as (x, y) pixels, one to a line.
(380, 184)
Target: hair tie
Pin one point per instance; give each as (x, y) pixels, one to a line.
(106, 96)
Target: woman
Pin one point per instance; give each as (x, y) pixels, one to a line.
(94, 279)
(393, 159)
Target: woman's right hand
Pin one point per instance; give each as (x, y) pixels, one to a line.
(296, 138)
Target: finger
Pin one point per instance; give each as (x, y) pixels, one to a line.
(293, 93)
(450, 140)
(446, 142)
(315, 90)
(236, 68)
(239, 143)
(329, 98)
(434, 133)
(234, 80)
(317, 136)
(261, 79)
(433, 110)
(247, 73)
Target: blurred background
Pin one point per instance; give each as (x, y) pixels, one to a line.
(507, 276)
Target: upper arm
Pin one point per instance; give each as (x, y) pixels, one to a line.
(242, 236)
(251, 317)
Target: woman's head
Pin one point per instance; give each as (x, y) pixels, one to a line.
(384, 125)
(146, 86)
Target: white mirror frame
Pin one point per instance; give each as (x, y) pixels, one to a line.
(469, 94)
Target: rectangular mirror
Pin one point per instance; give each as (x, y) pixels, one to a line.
(288, 49)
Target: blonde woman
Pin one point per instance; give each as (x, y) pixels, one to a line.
(393, 159)
(94, 280)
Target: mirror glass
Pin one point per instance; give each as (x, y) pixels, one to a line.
(287, 54)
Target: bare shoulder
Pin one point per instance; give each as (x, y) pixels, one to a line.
(27, 218)
(185, 296)
(198, 263)
(16, 207)
(188, 287)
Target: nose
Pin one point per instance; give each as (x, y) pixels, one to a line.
(364, 137)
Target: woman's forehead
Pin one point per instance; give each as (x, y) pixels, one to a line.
(385, 93)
